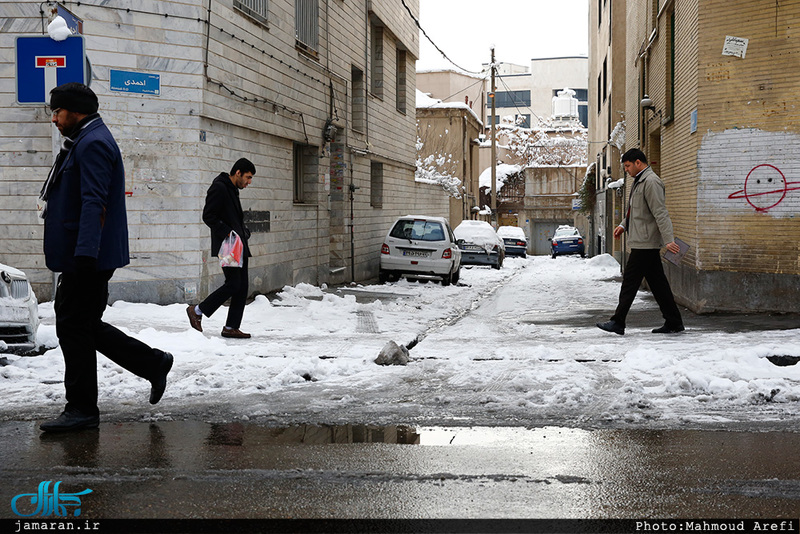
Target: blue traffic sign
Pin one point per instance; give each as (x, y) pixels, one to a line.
(44, 63)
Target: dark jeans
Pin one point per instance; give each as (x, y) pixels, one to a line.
(234, 288)
(80, 302)
(646, 264)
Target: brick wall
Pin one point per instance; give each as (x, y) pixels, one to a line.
(731, 184)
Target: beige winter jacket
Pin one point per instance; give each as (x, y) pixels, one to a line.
(649, 225)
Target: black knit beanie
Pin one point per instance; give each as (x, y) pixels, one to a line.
(74, 96)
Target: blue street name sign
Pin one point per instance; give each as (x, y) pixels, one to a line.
(135, 82)
(43, 63)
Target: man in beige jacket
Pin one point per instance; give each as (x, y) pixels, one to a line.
(648, 226)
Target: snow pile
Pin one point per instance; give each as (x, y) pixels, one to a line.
(617, 137)
(504, 172)
(58, 29)
(515, 346)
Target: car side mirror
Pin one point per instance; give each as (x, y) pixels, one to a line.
(459, 241)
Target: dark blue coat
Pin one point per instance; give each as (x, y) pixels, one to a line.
(86, 205)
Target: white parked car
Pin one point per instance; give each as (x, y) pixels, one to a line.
(19, 311)
(515, 240)
(420, 247)
(480, 244)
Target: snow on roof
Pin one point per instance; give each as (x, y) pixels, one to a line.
(424, 100)
(504, 170)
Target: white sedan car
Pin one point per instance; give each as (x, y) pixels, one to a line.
(19, 313)
(420, 247)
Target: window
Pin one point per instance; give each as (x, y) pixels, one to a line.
(670, 74)
(605, 79)
(358, 100)
(400, 90)
(599, 93)
(377, 61)
(305, 173)
(306, 24)
(256, 9)
(376, 184)
(583, 113)
(523, 121)
(509, 99)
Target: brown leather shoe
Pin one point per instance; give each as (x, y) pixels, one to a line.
(194, 319)
(235, 333)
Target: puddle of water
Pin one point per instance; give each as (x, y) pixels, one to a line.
(237, 434)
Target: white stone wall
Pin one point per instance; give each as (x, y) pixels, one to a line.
(174, 144)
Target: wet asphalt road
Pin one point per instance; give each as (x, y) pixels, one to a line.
(239, 470)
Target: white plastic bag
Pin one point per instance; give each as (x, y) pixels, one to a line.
(231, 251)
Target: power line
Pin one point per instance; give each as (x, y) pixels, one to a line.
(431, 40)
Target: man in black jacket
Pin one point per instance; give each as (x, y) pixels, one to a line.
(223, 214)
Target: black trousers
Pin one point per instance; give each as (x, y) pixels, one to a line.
(80, 302)
(646, 264)
(234, 288)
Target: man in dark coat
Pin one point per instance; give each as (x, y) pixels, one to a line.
(223, 214)
(86, 239)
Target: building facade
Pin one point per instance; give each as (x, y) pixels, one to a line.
(527, 92)
(720, 126)
(319, 94)
(447, 153)
(607, 99)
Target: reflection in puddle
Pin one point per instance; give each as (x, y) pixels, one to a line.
(236, 434)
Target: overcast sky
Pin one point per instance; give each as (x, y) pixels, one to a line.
(519, 29)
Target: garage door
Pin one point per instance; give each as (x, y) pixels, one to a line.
(542, 231)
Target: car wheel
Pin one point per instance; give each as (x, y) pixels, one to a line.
(456, 275)
(383, 276)
(553, 255)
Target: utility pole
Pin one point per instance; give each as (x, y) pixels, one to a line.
(494, 146)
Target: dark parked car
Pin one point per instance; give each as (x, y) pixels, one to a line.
(567, 240)
(479, 244)
(515, 240)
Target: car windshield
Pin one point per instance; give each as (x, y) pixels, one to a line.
(566, 232)
(417, 229)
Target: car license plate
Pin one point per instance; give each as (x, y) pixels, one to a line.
(472, 248)
(416, 253)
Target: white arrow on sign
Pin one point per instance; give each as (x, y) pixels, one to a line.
(50, 64)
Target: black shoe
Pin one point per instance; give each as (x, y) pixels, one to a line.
(70, 421)
(159, 383)
(667, 329)
(612, 326)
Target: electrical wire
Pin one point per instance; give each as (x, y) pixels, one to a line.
(431, 40)
(201, 20)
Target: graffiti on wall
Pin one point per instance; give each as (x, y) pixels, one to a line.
(749, 171)
(765, 187)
